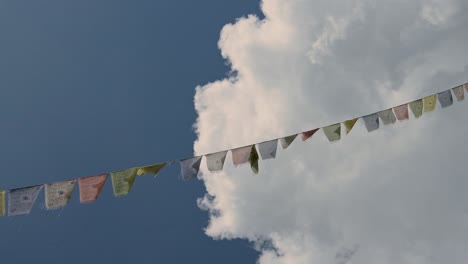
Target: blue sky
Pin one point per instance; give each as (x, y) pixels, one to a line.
(95, 86)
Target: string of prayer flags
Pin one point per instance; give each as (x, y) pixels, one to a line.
(122, 181)
(387, 117)
(190, 167)
(215, 161)
(349, 124)
(2, 203)
(401, 112)
(152, 169)
(21, 201)
(445, 98)
(371, 122)
(58, 194)
(253, 159)
(416, 107)
(459, 93)
(286, 141)
(268, 149)
(90, 187)
(333, 132)
(241, 155)
(429, 103)
(306, 135)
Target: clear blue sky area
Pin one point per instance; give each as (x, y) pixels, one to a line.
(95, 86)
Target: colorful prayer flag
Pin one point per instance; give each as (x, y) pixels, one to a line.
(401, 112)
(2, 203)
(306, 135)
(152, 169)
(387, 117)
(445, 98)
(268, 149)
(215, 161)
(349, 124)
(333, 132)
(416, 107)
(190, 167)
(286, 141)
(459, 93)
(429, 103)
(371, 122)
(253, 159)
(90, 187)
(58, 194)
(122, 181)
(21, 201)
(241, 155)
(466, 86)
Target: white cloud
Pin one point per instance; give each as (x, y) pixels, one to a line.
(396, 195)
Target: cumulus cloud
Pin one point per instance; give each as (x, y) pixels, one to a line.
(396, 195)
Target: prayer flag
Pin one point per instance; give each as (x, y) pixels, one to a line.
(58, 194)
(286, 141)
(371, 122)
(190, 167)
(152, 169)
(215, 161)
(387, 117)
(429, 103)
(401, 112)
(90, 187)
(306, 135)
(253, 159)
(2, 203)
(241, 155)
(21, 201)
(459, 93)
(333, 132)
(349, 124)
(466, 86)
(445, 98)
(268, 149)
(122, 181)
(416, 108)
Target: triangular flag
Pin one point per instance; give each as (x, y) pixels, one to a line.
(253, 159)
(241, 155)
(416, 107)
(371, 122)
(152, 169)
(333, 132)
(401, 112)
(306, 135)
(21, 201)
(286, 141)
(122, 181)
(190, 167)
(349, 124)
(387, 117)
(459, 93)
(58, 194)
(215, 161)
(429, 103)
(445, 98)
(90, 187)
(2, 203)
(268, 149)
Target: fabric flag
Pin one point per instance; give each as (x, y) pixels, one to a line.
(58, 194)
(122, 181)
(459, 93)
(349, 124)
(416, 108)
(215, 161)
(286, 141)
(253, 159)
(90, 187)
(241, 155)
(306, 135)
(466, 86)
(387, 116)
(401, 112)
(21, 201)
(429, 103)
(2, 203)
(445, 98)
(190, 167)
(152, 169)
(268, 149)
(333, 132)
(371, 122)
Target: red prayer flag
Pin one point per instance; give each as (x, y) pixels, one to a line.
(401, 112)
(90, 187)
(306, 135)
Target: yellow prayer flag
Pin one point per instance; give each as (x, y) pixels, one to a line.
(429, 103)
(253, 159)
(153, 169)
(2, 203)
(349, 124)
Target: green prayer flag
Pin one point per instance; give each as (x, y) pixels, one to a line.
(253, 159)
(333, 132)
(349, 124)
(152, 169)
(416, 107)
(122, 181)
(2, 203)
